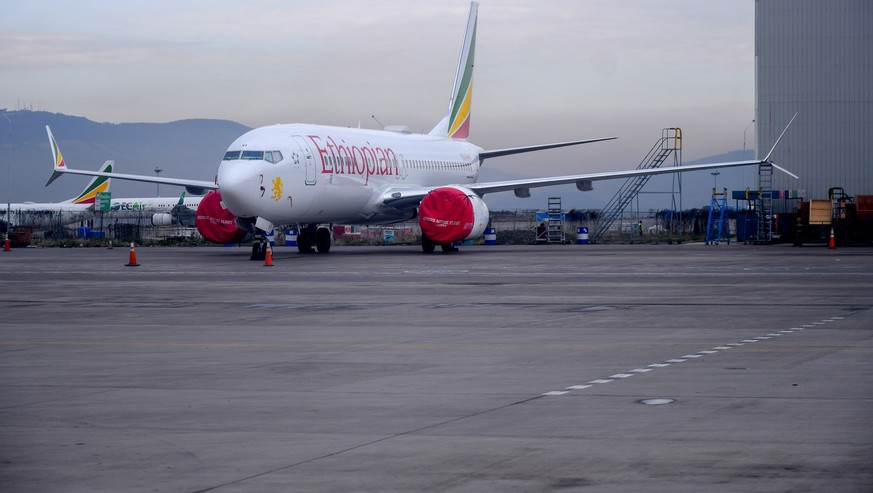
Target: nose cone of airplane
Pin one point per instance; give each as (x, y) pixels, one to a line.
(238, 183)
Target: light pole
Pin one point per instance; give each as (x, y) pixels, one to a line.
(715, 180)
(8, 177)
(744, 137)
(158, 185)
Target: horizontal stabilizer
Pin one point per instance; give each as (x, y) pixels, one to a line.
(519, 150)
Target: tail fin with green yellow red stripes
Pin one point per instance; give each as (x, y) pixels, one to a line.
(97, 184)
(456, 124)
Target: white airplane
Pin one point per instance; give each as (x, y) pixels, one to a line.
(164, 211)
(314, 176)
(77, 209)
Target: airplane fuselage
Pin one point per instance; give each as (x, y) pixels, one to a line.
(326, 174)
(122, 207)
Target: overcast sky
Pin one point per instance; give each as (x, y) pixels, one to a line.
(546, 70)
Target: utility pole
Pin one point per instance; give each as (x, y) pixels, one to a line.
(744, 137)
(8, 177)
(158, 185)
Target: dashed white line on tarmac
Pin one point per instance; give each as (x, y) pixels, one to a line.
(578, 387)
(699, 354)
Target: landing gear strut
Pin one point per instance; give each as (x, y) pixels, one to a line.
(313, 236)
(259, 247)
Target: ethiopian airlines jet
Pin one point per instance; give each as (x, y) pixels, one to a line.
(314, 176)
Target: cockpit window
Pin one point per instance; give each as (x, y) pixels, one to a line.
(272, 156)
(269, 156)
(253, 155)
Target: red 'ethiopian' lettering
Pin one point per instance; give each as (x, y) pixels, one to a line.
(364, 161)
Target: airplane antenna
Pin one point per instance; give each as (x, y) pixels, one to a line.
(377, 121)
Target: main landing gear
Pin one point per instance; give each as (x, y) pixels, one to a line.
(428, 246)
(311, 236)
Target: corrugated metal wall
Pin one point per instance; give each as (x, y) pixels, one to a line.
(815, 58)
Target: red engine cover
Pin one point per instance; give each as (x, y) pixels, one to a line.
(446, 215)
(216, 223)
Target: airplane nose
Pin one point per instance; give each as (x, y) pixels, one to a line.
(238, 184)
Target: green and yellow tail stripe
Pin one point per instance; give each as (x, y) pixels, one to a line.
(459, 117)
(98, 184)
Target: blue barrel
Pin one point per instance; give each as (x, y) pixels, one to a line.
(291, 237)
(582, 236)
(490, 236)
(83, 232)
(271, 237)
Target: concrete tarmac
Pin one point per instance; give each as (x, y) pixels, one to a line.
(498, 369)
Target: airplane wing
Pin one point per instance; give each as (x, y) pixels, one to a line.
(198, 187)
(583, 181)
(405, 198)
(519, 150)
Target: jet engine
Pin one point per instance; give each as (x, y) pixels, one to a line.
(449, 214)
(215, 222)
(163, 219)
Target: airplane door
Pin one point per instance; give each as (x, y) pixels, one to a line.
(401, 164)
(308, 160)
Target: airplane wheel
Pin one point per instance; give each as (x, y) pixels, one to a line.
(427, 246)
(448, 247)
(322, 240)
(304, 241)
(259, 250)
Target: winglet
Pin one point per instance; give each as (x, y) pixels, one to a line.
(780, 138)
(767, 159)
(59, 165)
(456, 124)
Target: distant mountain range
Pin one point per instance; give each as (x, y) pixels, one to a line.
(193, 149)
(183, 149)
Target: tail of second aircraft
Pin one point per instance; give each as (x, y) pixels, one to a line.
(456, 123)
(96, 185)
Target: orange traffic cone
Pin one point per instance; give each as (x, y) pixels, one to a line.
(268, 258)
(6, 245)
(132, 261)
(831, 242)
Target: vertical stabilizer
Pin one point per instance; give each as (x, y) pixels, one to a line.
(97, 184)
(456, 123)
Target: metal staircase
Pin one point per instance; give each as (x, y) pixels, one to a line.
(555, 223)
(669, 143)
(764, 209)
(717, 229)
